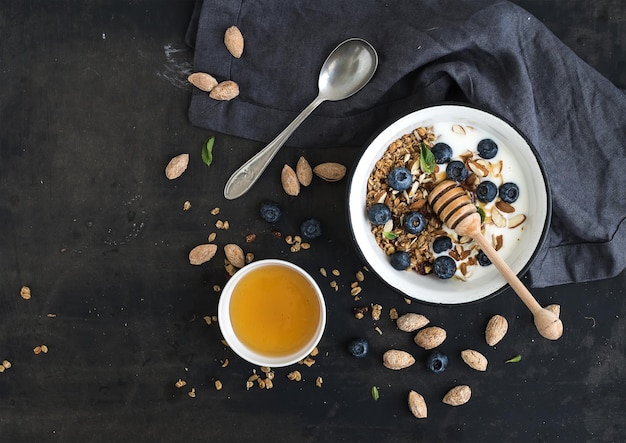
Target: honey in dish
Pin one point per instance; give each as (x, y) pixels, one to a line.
(274, 310)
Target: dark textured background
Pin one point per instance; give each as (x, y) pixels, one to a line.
(93, 104)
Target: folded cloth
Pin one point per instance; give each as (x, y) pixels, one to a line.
(492, 54)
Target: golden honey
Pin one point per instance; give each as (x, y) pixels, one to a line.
(274, 311)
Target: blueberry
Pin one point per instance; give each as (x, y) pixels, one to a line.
(509, 192)
(442, 153)
(487, 148)
(482, 259)
(444, 267)
(311, 228)
(270, 211)
(442, 243)
(436, 362)
(456, 171)
(400, 260)
(400, 179)
(486, 191)
(358, 347)
(414, 222)
(379, 214)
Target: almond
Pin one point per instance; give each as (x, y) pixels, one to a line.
(498, 218)
(411, 322)
(431, 337)
(235, 255)
(226, 90)
(516, 221)
(233, 40)
(396, 359)
(496, 329)
(474, 359)
(458, 395)
(331, 172)
(505, 207)
(289, 180)
(203, 81)
(202, 254)
(177, 166)
(304, 172)
(417, 405)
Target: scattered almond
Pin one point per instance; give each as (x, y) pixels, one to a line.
(431, 337)
(233, 40)
(25, 293)
(496, 329)
(331, 172)
(417, 405)
(177, 166)
(516, 221)
(505, 207)
(396, 359)
(226, 90)
(411, 322)
(304, 172)
(202, 254)
(458, 395)
(235, 255)
(474, 359)
(289, 180)
(498, 218)
(203, 81)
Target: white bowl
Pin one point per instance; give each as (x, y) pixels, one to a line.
(528, 170)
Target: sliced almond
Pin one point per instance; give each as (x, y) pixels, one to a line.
(477, 168)
(505, 207)
(516, 221)
(498, 218)
(458, 129)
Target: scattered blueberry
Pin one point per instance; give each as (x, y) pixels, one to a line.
(509, 192)
(482, 259)
(379, 214)
(358, 347)
(487, 148)
(436, 362)
(270, 211)
(444, 267)
(414, 222)
(400, 179)
(311, 228)
(442, 153)
(486, 191)
(442, 243)
(456, 171)
(400, 260)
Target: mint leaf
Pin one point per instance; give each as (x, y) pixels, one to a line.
(207, 151)
(375, 395)
(482, 214)
(390, 235)
(515, 359)
(427, 159)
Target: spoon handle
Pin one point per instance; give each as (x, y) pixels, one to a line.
(243, 178)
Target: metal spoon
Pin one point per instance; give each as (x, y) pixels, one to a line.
(348, 68)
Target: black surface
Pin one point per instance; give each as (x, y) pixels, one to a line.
(94, 104)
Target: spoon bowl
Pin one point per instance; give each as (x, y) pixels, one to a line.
(348, 68)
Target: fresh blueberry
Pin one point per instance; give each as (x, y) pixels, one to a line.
(482, 259)
(379, 214)
(311, 228)
(358, 347)
(400, 179)
(487, 148)
(442, 243)
(444, 267)
(400, 260)
(456, 171)
(270, 211)
(436, 362)
(509, 192)
(486, 191)
(442, 153)
(414, 222)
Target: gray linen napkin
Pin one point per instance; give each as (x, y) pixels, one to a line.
(492, 54)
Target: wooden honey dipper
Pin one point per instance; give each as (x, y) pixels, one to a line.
(455, 208)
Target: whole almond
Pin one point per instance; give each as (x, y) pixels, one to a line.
(304, 172)
(177, 166)
(474, 359)
(331, 172)
(233, 39)
(459, 395)
(202, 254)
(396, 359)
(226, 90)
(289, 180)
(431, 337)
(203, 81)
(417, 405)
(496, 329)
(411, 322)
(235, 255)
